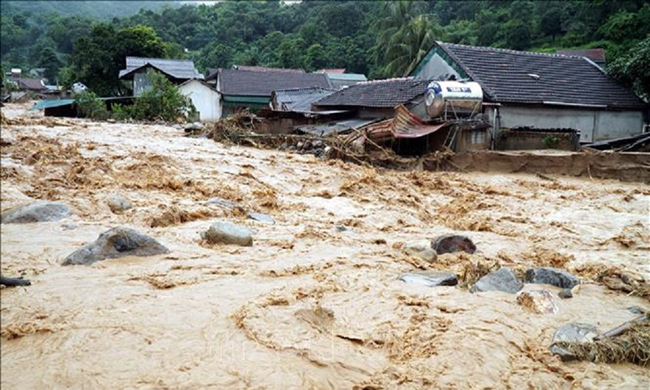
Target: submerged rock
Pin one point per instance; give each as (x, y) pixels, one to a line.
(14, 282)
(538, 301)
(553, 276)
(430, 278)
(115, 243)
(503, 280)
(36, 212)
(566, 293)
(636, 310)
(453, 243)
(421, 250)
(118, 204)
(572, 332)
(228, 233)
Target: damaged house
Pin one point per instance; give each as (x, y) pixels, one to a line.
(177, 71)
(539, 91)
(252, 89)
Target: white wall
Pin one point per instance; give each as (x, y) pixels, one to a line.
(594, 125)
(205, 99)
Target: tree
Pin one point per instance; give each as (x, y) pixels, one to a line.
(633, 69)
(551, 22)
(406, 37)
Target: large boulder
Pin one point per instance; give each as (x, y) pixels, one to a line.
(115, 243)
(228, 233)
(430, 278)
(420, 250)
(553, 276)
(453, 243)
(36, 212)
(539, 301)
(503, 280)
(572, 332)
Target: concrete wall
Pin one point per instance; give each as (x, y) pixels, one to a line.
(594, 124)
(205, 100)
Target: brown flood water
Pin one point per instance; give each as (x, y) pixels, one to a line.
(307, 306)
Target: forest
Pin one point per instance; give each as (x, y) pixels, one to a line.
(379, 39)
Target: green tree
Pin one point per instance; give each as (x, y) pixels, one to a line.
(633, 68)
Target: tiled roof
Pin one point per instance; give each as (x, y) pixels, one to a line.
(266, 69)
(180, 69)
(31, 84)
(509, 76)
(596, 55)
(378, 94)
(246, 83)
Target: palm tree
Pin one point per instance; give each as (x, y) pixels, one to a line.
(405, 36)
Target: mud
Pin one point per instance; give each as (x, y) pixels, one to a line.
(309, 305)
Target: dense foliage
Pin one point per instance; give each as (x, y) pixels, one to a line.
(380, 39)
(163, 101)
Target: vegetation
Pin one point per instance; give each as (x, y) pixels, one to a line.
(379, 39)
(162, 101)
(89, 106)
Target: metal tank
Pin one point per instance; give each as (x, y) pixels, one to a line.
(452, 99)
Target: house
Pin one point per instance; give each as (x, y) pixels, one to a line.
(595, 55)
(29, 84)
(297, 99)
(534, 90)
(246, 89)
(177, 71)
(376, 99)
(204, 97)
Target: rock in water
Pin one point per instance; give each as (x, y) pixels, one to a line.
(14, 282)
(118, 204)
(540, 301)
(553, 276)
(228, 233)
(572, 332)
(114, 243)
(566, 293)
(421, 250)
(36, 212)
(430, 278)
(502, 280)
(452, 244)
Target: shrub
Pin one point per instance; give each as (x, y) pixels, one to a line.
(89, 106)
(162, 100)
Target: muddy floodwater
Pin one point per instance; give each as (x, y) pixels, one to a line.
(316, 302)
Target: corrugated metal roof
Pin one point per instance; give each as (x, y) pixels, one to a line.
(180, 69)
(409, 125)
(347, 76)
(335, 127)
(43, 104)
(298, 99)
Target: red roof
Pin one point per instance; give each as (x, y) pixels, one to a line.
(596, 55)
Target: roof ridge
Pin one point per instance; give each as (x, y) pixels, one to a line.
(160, 59)
(511, 51)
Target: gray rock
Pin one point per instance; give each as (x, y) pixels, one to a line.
(69, 226)
(14, 282)
(36, 212)
(636, 310)
(421, 250)
(452, 243)
(502, 280)
(430, 278)
(262, 218)
(565, 293)
(572, 332)
(228, 233)
(553, 276)
(341, 229)
(118, 204)
(193, 126)
(115, 243)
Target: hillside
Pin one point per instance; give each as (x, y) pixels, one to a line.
(102, 10)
